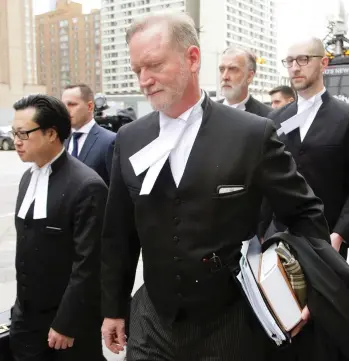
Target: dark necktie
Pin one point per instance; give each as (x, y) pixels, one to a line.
(76, 137)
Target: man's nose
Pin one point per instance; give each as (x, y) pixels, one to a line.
(17, 141)
(225, 75)
(145, 79)
(295, 65)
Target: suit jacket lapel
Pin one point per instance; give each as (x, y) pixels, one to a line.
(22, 190)
(251, 105)
(319, 121)
(90, 140)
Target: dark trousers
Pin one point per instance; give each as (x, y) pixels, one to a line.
(28, 341)
(311, 344)
(234, 335)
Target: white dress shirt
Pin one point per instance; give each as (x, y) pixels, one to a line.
(174, 142)
(38, 190)
(81, 141)
(241, 105)
(180, 154)
(315, 103)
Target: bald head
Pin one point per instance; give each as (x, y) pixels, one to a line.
(306, 61)
(312, 46)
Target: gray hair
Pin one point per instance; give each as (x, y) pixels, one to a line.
(250, 57)
(181, 28)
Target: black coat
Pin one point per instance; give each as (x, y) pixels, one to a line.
(327, 277)
(58, 258)
(178, 227)
(97, 151)
(323, 157)
(254, 106)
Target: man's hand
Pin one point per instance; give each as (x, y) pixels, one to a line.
(58, 341)
(336, 241)
(113, 331)
(305, 319)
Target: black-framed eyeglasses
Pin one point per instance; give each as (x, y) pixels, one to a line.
(301, 60)
(24, 134)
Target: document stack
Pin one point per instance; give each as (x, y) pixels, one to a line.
(268, 290)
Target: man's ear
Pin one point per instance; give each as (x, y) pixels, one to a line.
(324, 62)
(53, 135)
(193, 54)
(251, 75)
(91, 106)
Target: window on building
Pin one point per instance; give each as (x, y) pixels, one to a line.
(63, 23)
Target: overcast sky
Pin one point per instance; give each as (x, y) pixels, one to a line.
(296, 19)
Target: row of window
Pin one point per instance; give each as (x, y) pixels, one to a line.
(251, 30)
(123, 86)
(95, 17)
(258, 4)
(120, 77)
(139, 11)
(248, 19)
(134, 4)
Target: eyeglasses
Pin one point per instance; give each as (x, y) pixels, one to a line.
(24, 134)
(301, 60)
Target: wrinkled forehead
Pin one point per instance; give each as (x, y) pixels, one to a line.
(149, 44)
(152, 38)
(233, 60)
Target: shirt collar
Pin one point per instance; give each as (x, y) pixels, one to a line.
(184, 116)
(313, 99)
(85, 129)
(47, 166)
(241, 105)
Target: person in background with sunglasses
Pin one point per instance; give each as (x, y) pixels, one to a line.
(315, 129)
(59, 215)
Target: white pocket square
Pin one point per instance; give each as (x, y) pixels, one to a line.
(229, 189)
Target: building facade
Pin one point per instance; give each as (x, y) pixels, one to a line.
(30, 42)
(248, 23)
(68, 47)
(17, 68)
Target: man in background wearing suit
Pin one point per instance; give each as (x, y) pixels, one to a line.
(237, 69)
(316, 132)
(281, 96)
(59, 215)
(187, 184)
(89, 142)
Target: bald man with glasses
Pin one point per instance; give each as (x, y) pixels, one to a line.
(315, 129)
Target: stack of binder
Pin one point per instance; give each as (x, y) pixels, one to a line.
(268, 291)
